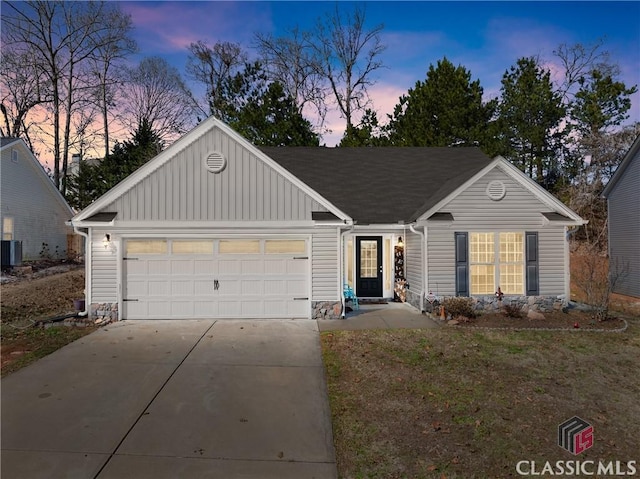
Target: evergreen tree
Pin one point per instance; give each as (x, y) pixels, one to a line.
(530, 112)
(444, 110)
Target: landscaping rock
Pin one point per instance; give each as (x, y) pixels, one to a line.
(534, 315)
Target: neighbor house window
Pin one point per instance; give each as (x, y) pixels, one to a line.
(7, 228)
(496, 260)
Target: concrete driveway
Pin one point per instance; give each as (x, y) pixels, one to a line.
(173, 399)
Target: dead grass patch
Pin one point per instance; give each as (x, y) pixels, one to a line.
(462, 403)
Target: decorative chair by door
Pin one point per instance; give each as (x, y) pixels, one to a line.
(350, 295)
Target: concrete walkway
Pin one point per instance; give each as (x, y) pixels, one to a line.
(173, 399)
(380, 316)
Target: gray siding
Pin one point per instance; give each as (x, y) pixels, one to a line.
(183, 190)
(624, 228)
(30, 198)
(104, 270)
(324, 265)
(413, 261)
(472, 210)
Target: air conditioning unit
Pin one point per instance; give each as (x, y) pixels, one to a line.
(11, 253)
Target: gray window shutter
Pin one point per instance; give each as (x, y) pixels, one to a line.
(531, 263)
(462, 264)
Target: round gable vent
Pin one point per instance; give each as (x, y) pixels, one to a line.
(496, 190)
(215, 162)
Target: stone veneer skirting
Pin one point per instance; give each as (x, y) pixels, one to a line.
(413, 299)
(326, 309)
(542, 304)
(103, 313)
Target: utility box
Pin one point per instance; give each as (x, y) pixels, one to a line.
(11, 253)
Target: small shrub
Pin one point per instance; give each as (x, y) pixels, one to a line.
(512, 310)
(459, 307)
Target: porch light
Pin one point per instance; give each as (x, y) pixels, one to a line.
(106, 240)
(400, 243)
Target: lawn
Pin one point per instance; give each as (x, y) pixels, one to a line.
(460, 403)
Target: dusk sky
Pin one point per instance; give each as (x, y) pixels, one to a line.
(485, 37)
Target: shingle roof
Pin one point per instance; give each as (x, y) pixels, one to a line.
(381, 185)
(7, 140)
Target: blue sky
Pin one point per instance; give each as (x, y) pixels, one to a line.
(485, 37)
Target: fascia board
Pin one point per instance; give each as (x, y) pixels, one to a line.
(285, 173)
(539, 192)
(542, 194)
(42, 175)
(157, 162)
(145, 170)
(626, 161)
(424, 216)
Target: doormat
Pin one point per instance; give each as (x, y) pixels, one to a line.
(373, 301)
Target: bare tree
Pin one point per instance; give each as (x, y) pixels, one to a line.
(62, 36)
(23, 88)
(346, 56)
(290, 61)
(155, 91)
(213, 66)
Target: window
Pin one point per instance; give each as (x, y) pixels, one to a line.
(239, 246)
(192, 247)
(146, 247)
(285, 246)
(7, 228)
(496, 260)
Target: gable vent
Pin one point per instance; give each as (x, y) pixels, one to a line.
(496, 190)
(215, 162)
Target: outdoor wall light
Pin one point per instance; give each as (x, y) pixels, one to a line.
(106, 240)
(400, 243)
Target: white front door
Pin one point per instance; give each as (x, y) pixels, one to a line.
(216, 278)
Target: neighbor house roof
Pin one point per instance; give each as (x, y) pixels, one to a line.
(7, 140)
(382, 185)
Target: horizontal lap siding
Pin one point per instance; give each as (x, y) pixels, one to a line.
(473, 211)
(324, 265)
(624, 229)
(104, 271)
(183, 190)
(414, 263)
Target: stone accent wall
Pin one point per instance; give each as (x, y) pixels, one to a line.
(541, 304)
(104, 313)
(413, 298)
(326, 309)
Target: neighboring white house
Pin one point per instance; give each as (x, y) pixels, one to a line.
(32, 209)
(623, 203)
(217, 227)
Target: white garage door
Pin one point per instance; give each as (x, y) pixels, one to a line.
(216, 278)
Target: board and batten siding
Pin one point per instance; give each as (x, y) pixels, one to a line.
(324, 265)
(473, 211)
(30, 199)
(104, 270)
(624, 229)
(182, 189)
(414, 261)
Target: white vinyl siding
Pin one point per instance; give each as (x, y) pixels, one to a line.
(474, 211)
(183, 190)
(104, 270)
(324, 265)
(30, 198)
(413, 261)
(624, 229)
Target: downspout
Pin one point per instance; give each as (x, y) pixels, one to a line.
(341, 270)
(87, 278)
(423, 266)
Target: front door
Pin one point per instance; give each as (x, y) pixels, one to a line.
(369, 266)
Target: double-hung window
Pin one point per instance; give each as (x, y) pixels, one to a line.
(496, 260)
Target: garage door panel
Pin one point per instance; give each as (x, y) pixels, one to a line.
(155, 266)
(214, 284)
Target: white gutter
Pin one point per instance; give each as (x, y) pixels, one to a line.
(341, 269)
(87, 275)
(424, 264)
